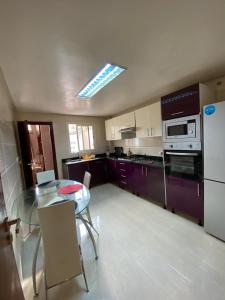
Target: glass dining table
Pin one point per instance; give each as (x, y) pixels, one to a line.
(47, 194)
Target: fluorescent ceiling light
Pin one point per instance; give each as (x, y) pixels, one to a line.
(103, 77)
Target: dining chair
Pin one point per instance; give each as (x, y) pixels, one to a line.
(86, 182)
(62, 254)
(45, 176)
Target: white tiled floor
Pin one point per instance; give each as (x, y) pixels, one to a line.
(145, 252)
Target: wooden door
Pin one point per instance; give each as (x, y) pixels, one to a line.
(25, 149)
(10, 286)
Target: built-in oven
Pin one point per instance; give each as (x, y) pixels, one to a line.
(183, 164)
(186, 129)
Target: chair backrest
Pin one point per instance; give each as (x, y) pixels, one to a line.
(61, 249)
(87, 179)
(46, 176)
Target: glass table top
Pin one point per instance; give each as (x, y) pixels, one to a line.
(30, 200)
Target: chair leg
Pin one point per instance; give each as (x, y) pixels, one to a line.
(90, 233)
(85, 279)
(90, 220)
(35, 265)
(89, 215)
(91, 225)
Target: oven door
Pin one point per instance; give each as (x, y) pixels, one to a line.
(183, 164)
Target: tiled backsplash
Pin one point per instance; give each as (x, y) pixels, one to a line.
(148, 146)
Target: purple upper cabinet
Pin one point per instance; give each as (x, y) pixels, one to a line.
(185, 102)
(186, 196)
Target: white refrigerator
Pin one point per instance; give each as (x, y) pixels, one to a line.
(214, 169)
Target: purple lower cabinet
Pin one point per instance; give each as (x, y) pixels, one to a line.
(155, 184)
(112, 171)
(98, 171)
(76, 171)
(186, 196)
(125, 174)
(138, 180)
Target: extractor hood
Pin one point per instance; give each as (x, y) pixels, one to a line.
(128, 130)
(128, 133)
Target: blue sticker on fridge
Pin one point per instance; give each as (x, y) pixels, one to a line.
(210, 109)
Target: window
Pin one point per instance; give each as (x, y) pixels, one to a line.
(81, 138)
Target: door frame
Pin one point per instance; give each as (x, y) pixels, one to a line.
(52, 140)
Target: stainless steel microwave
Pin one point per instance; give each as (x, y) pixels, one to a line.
(186, 129)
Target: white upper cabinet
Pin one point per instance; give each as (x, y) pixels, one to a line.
(112, 129)
(149, 121)
(113, 126)
(156, 119)
(142, 116)
(127, 120)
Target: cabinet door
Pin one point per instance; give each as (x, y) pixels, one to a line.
(181, 103)
(155, 184)
(115, 129)
(76, 171)
(139, 180)
(142, 116)
(126, 120)
(155, 119)
(108, 130)
(97, 169)
(185, 195)
(112, 171)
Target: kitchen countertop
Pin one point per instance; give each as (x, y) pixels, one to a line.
(153, 161)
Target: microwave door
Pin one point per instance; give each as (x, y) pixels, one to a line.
(177, 130)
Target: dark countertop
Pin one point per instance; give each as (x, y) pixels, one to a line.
(147, 160)
(153, 161)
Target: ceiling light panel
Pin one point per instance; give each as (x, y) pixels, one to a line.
(101, 79)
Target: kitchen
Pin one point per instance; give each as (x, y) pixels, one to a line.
(111, 150)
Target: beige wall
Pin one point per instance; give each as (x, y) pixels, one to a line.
(60, 124)
(9, 167)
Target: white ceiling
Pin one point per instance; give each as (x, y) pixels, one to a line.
(50, 48)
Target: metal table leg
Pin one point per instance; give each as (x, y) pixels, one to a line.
(90, 233)
(34, 265)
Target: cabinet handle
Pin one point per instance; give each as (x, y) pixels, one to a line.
(146, 171)
(122, 163)
(147, 132)
(123, 176)
(122, 170)
(142, 170)
(198, 190)
(123, 182)
(177, 113)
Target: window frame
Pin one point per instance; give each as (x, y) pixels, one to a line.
(78, 143)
